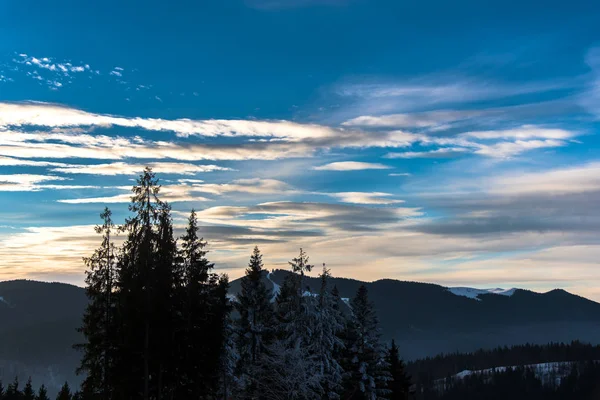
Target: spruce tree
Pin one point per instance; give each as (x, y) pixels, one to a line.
(2, 393)
(293, 307)
(165, 306)
(325, 343)
(256, 323)
(12, 391)
(135, 284)
(64, 393)
(42, 393)
(98, 316)
(28, 392)
(287, 373)
(366, 376)
(399, 381)
(204, 315)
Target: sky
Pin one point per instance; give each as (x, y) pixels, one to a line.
(447, 142)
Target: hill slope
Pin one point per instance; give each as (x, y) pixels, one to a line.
(39, 321)
(428, 319)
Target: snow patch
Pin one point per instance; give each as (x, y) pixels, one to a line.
(231, 297)
(276, 288)
(473, 293)
(546, 372)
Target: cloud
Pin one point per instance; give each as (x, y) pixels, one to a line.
(577, 179)
(350, 166)
(27, 179)
(308, 135)
(442, 89)
(365, 198)
(400, 174)
(590, 98)
(510, 149)
(57, 73)
(121, 168)
(445, 152)
(168, 193)
(260, 139)
(557, 200)
(187, 190)
(15, 162)
(253, 186)
(120, 148)
(414, 120)
(524, 132)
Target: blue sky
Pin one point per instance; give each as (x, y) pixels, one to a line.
(449, 143)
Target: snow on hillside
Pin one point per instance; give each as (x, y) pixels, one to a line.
(548, 373)
(276, 287)
(473, 293)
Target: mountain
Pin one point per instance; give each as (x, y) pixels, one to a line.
(38, 323)
(39, 320)
(427, 319)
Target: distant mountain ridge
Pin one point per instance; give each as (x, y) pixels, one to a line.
(39, 320)
(428, 319)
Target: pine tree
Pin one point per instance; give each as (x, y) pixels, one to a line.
(28, 392)
(287, 373)
(2, 393)
(366, 376)
(399, 382)
(230, 384)
(12, 391)
(325, 343)
(256, 323)
(98, 316)
(205, 310)
(135, 284)
(42, 393)
(294, 305)
(64, 393)
(165, 306)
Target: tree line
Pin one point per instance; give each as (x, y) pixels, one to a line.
(161, 325)
(426, 370)
(521, 383)
(13, 392)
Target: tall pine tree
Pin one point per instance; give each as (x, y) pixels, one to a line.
(136, 284)
(256, 323)
(204, 319)
(64, 393)
(98, 316)
(399, 381)
(366, 374)
(42, 393)
(28, 392)
(325, 343)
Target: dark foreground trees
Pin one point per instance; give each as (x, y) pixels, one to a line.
(155, 324)
(159, 324)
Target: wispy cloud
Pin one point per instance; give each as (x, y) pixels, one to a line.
(378, 198)
(350, 166)
(445, 152)
(590, 98)
(412, 120)
(523, 132)
(121, 168)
